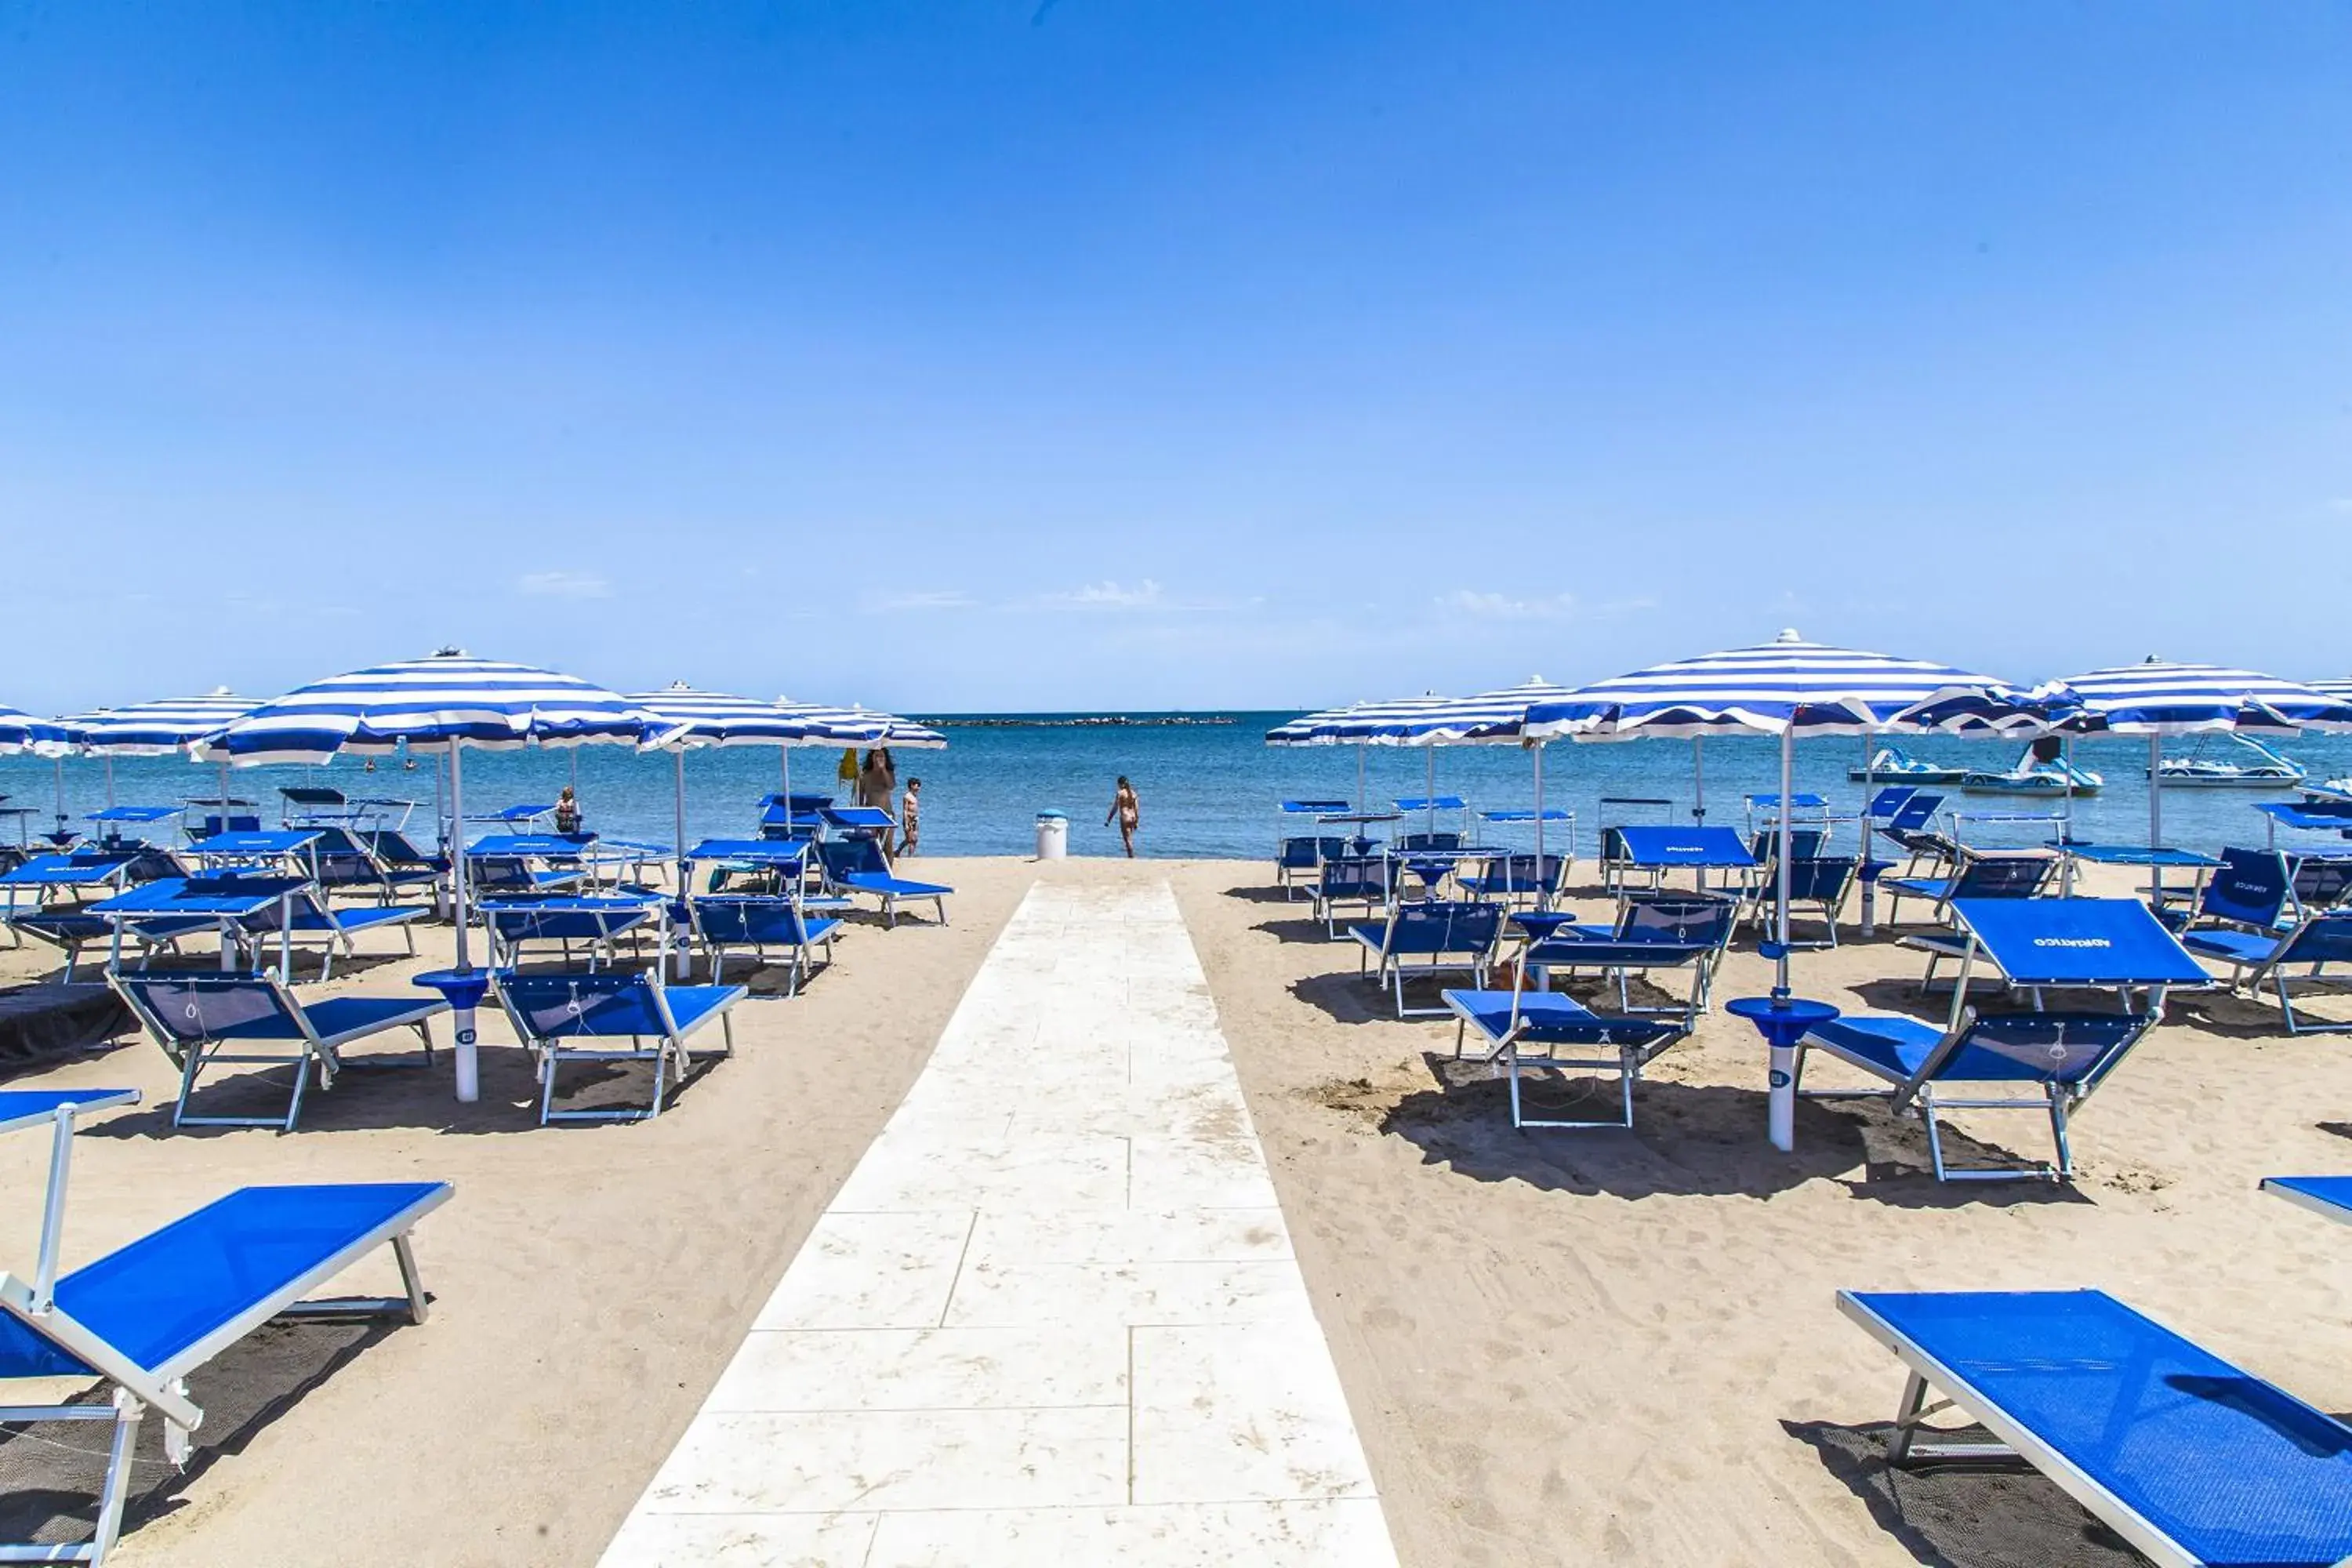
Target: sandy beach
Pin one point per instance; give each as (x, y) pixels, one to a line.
(1588, 1346)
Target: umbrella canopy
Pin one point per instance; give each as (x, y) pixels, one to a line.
(431, 704)
(160, 728)
(2160, 697)
(856, 726)
(1785, 686)
(1400, 722)
(685, 717)
(19, 730)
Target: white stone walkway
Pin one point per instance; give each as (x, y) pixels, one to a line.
(1052, 1316)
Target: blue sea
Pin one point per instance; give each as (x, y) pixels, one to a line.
(1209, 785)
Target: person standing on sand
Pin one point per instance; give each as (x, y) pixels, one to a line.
(1129, 812)
(910, 818)
(877, 783)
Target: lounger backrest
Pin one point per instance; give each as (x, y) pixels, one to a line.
(395, 848)
(1891, 800)
(848, 857)
(2322, 883)
(1526, 873)
(342, 859)
(748, 919)
(189, 1009)
(2075, 1048)
(1356, 876)
(215, 824)
(1692, 920)
(1804, 843)
(1429, 841)
(1304, 854)
(1915, 814)
(2004, 876)
(1444, 926)
(2251, 888)
(1822, 877)
(555, 1006)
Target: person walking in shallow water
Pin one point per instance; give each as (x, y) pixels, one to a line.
(1128, 811)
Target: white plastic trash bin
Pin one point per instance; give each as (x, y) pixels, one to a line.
(1053, 835)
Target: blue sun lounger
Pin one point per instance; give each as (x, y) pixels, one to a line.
(2050, 1062)
(1426, 939)
(250, 908)
(2330, 1197)
(1350, 879)
(2000, 874)
(562, 1017)
(237, 1020)
(858, 866)
(1302, 856)
(2256, 958)
(761, 921)
(2195, 1462)
(1512, 877)
(525, 863)
(594, 920)
(1699, 850)
(146, 1315)
(1546, 1031)
(1653, 931)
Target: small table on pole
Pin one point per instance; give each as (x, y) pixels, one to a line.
(1782, 1021)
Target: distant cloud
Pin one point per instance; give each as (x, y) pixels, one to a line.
(920, 599)
(1111, 595)
(1504, 608)
(564, 586)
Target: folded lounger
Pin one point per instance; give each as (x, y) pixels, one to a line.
(1427, 939)
(561, 1017)
(145, 1316)
(858, 865)
(1350, 879)
(2191, 1460)
(2256, 959)
(218, 1020)
(1548, 1031)
(1653, 931)
(760, 922)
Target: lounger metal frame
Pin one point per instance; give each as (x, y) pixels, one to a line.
(1511, 1051)
(192, 1058)
(1397, 966)
(668, 1049)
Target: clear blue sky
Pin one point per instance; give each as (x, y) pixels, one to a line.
(1167, 353)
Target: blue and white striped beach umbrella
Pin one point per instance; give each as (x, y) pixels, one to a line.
(160, 728)
(687, 718)
(1786, 688)
(1360, 724)
(441, 704)
(19, 731)
(2158, 697)
(856, 726)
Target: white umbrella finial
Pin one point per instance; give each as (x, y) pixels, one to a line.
(1788, 634)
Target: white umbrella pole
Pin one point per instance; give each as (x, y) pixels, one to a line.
(470, 1067)
(58, 769)
(1787, 767)
(575, 771)
(1360, 786)
(1698, 778)
(1869, 839)
(108, 759)
(684, 959)
(1429, 787)
(2155, 816)
(1543, 885)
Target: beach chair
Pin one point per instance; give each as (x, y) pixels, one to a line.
(1538, 1031)
(1303, 856)
(2250, 891)
(1911, 828)
(1654, 931)
(1427, 939)
(1976, 875)
(1350, 879)
(1510, 879)
(69, 928)
(856, 864)
(342, 859)
(240, 1020)
(1423, 843)
(2322, 883)
(2189, 1458)
(2046, 1062)
(510, 865)
(761, 922)
(1804, 844)
(1816, 883)
(595, 922)
(2257, 959)
(562, 1017)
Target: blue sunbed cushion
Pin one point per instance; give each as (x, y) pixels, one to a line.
(2230, 1468)
(1895, 1045)
(1935, 887)
(164, 1292)
(693, 1005)
(1552, 1016)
